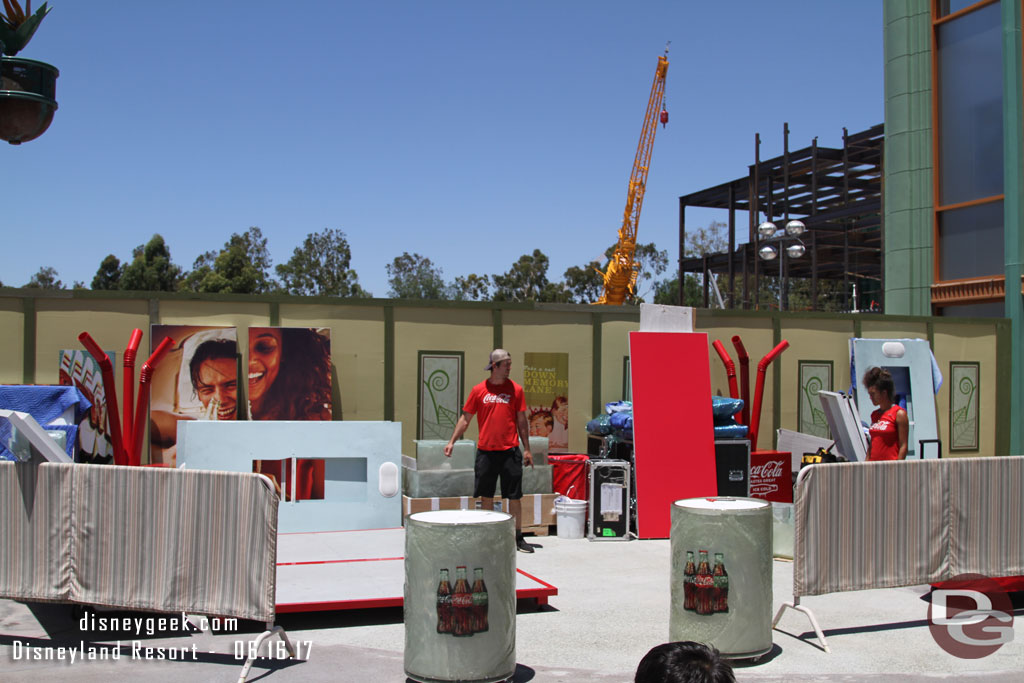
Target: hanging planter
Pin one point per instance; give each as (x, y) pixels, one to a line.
(28, 88)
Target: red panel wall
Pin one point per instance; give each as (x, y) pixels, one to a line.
(673, 429)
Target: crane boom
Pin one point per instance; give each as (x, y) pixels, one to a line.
(620, 276)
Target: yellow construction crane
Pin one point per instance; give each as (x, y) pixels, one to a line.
(620, 276)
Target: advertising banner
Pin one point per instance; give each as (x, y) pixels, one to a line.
(546, 386)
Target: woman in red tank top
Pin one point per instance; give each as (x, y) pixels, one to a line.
(889, 424)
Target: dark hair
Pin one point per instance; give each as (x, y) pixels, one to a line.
(683, 662)
(879, 379)
(302, 389)
(213, 349)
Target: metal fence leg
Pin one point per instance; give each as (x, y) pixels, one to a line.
(810, 616)
(255, 650)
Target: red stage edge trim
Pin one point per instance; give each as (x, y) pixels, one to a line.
(358, 559)
(541, 595)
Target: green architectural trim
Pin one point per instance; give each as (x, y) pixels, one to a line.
(497, 333)
(1004, 422)
(28, 370)
(275, 314)
(907, 157)
(389, 363)
(595, 370)
(154, 311)
(1013, 215)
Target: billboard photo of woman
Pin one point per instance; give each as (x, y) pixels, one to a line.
(289, 372)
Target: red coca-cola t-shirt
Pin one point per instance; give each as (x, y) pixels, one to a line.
(885, 443)
(496, 407)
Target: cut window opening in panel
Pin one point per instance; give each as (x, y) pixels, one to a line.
(308, 480)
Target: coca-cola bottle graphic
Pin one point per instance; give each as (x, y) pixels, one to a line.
(704, 585)
(444, 604)
(721, 582)
(462, 605)
(689, 577)
(479, 621)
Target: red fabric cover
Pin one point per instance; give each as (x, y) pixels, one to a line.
(569, 471)
(496, 407)
(673, 429)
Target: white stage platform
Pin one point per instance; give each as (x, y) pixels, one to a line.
(335, 570)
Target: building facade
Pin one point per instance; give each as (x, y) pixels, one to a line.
(954, 167)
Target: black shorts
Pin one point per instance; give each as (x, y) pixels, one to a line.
(490, 465)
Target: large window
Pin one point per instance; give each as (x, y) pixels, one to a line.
(969, 154)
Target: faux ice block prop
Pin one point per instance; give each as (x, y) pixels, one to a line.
(437, 483)
(361, 481)
(539, 449)
(448, 483)
(460, 596)
(721, 577)
(430, 455)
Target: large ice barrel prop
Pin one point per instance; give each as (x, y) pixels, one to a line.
(722, 574)
(460, 596)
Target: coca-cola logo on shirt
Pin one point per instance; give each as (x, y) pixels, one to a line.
(498, 398)
(771, 469)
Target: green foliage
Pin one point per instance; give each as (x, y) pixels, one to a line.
(108, 276)
(473, 287)
(583, 284)
(17, 26)
(527, 280)
(321, 267)
(151, 269)
(45, 278)
(241, 267)
(412, 276)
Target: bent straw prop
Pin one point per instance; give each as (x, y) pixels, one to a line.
(730, 368)
(762, 368)
(128, 382)
(744, 359)
(145, 375)
(110, 391)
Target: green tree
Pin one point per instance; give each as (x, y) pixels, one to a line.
(412, 276)
(527, 280)
(241, 267)
(321, 267)
(45, 278)
(108, 276)
(584, 284)
(151, 269)
(472, 287)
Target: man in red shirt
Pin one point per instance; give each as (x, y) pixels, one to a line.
(500, 407)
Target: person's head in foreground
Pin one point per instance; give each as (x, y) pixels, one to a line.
(683, 662)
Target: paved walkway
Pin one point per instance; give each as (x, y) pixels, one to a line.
(611, 609)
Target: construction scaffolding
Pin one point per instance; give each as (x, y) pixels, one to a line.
(837, 193)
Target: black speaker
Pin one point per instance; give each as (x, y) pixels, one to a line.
(732, 467)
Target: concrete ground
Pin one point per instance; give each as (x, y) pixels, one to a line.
(612, 607)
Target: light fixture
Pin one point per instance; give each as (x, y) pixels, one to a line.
(795, 250)
(766, 229)
(795, 228)
(768, 253)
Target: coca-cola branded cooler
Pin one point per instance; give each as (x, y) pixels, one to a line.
(610, 504)
(460, 596)
(721, 576)
(771, 476)
(569, 475)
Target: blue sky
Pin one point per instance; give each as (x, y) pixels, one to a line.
(470, 132)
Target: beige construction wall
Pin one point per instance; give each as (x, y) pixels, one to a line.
(375, 347)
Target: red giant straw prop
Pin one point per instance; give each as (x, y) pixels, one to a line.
(128, 382)
(110, 391)
(730, 368)
(762, 367)
(744, 359)
(145, 375)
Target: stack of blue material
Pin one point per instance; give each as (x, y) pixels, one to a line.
(724, 411)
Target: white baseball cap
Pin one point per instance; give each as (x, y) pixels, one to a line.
(498, 355)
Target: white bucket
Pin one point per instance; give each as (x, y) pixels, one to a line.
(571, 517)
